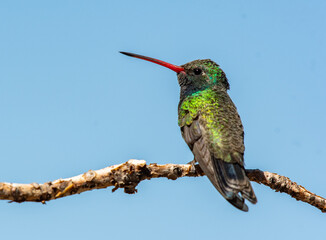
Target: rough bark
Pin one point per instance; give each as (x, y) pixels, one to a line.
(127, 176)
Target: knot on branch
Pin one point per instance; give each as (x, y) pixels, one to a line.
(128, 175)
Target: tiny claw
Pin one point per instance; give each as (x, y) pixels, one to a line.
(192, 169)
(193, 162)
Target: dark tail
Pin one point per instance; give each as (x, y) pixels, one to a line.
(232, 180)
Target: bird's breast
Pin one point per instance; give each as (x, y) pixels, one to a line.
(204, 103)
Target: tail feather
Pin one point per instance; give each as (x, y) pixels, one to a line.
(233, 180)
(239, 203)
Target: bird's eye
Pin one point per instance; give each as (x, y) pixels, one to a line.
(197, 71)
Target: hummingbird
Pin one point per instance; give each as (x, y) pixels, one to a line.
(211, 127)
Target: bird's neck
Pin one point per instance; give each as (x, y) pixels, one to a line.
(194, 92)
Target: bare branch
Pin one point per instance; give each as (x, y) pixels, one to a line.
(127, 175)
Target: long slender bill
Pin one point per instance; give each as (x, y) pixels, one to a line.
(175, 68)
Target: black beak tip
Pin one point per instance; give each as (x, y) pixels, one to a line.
(126, 53)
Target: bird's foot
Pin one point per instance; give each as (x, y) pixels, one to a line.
(192, 162)
(193, 166)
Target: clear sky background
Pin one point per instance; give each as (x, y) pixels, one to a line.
(69, 102)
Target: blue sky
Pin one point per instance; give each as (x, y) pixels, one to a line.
(69, 102)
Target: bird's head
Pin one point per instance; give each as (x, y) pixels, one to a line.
(201, 74)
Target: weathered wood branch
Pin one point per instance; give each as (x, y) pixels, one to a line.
(127, 175)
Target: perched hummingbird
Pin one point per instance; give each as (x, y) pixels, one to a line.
(211, 126)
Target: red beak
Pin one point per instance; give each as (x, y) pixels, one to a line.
(175, 68)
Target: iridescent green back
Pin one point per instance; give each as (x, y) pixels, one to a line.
(209, 102)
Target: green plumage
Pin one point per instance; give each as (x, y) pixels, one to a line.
(211, 127)
(215, 110)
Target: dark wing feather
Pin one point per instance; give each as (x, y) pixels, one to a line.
(228, 178)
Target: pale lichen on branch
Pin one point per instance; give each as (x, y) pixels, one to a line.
(127, 175)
